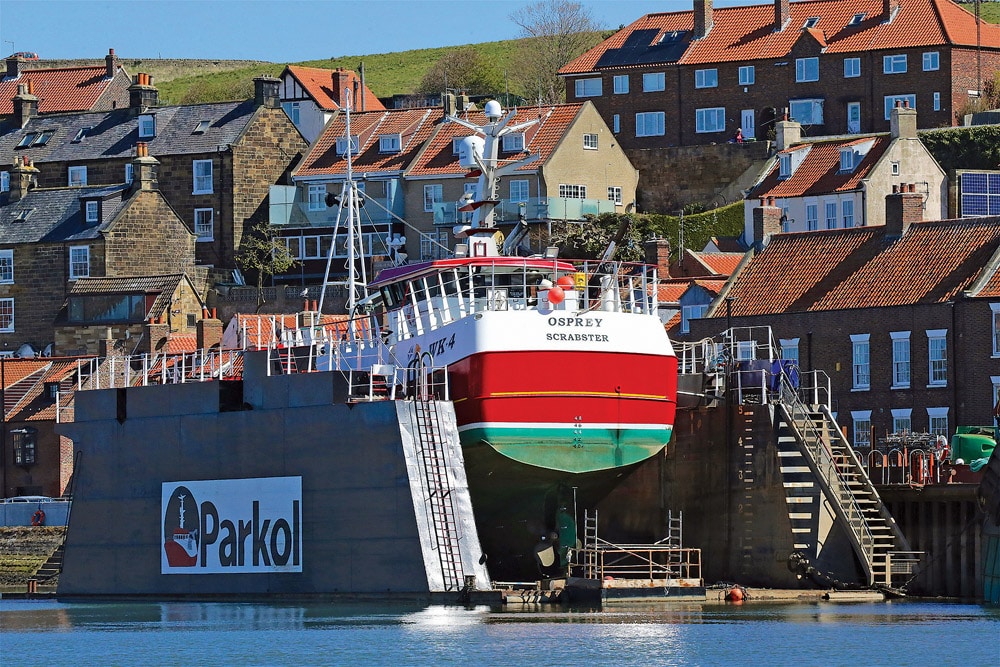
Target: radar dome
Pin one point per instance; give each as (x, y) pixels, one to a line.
(468, 148)
(493, 110)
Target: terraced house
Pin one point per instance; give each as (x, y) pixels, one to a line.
(837, 66)
(66, 89)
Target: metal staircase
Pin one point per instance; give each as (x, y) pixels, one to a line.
(590, 544)
(873, 532)
(440, 503)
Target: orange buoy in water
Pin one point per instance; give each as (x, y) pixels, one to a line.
(735, 594)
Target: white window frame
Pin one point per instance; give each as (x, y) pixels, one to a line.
(995, 380)
(852, 68)
(890, 102)
(654, 82)
(902, 421)
(79, 262)
(937, 101)
(316, 197)
(937, 421)
(202, 179)
(147, 126)
(789, 349)
(7, 315)
(572, 191)
(689, 313)
(846, 160)
(519, 190)
(931, 61)
(862, 427)
(513, 142)
(706, 78)
(644, 119)
(995, 308)
(591, 87)
(861, 374)
(615, 194)
(748, 75)
(806, 70)
(847, 211)
(128, 173)
(830, 208)
(433, 194)
(7, 267)
(710, 120)
(342, 145)
(621, 84)
(77, 176)
(937, 357)
(784, 166)
(390, 143)
(91, 212)
(894, 64)
(812, 217)
(4, 181)
(590, 141)
(204, 232)
(815, 108)
(902, 368)
(616, 123)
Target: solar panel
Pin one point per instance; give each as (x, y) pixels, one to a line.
(980, 194)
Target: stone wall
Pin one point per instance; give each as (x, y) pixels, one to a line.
(148, 239)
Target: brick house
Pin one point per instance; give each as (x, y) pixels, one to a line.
(52, 237)
(311, 96)
(66, 89)
(216, 161)
(834, 182)
(694, 77)
(903, 317)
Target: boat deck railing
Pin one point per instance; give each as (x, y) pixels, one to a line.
(639, 561)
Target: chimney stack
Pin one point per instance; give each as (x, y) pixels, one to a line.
(702, 18)
(450, 105)
(766, 222)
(657, 252)
(155, 337)
(904, 207)
(888, 7)
(145, 169)
(111, 64)
(23, 176)
(341, 80)
(142, 94)
(267, 92)
(25, 104)
(209, 331)
(903, 121)
(13, 67)
(782, 12)
(786, 134)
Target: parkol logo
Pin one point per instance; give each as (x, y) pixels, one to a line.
(180, 529)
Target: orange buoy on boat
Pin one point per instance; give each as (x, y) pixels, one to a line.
(735, 594)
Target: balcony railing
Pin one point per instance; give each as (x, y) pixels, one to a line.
(535, 209)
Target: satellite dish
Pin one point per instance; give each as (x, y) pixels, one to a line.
(47, 352)
(493, 110)
(25, 351)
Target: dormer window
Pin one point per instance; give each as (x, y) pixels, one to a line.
(513, 143)
(456, 145)
(342, 145)
(147, 126)
(857, 18)
(91, 212)
(202, 127)
(846, 160)
(390, 143)
(52, 390)
(784, 166)
(81, 135)
(811, 22)
(23, 214)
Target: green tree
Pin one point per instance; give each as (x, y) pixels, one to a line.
(464, 68)
(262, 253)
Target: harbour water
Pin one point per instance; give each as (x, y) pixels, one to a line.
(43, 632)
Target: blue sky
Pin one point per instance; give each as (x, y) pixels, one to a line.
(275, 31)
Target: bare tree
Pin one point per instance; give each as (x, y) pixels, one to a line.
(464, 68)
(558, 31)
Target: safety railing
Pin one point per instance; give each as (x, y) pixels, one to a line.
(904, 466)
(639, 561)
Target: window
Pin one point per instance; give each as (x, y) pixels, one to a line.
(852, 68)
(894, 168)
(27, 140)
(107, 308)
(615, 194)
(572, 191)
(649, 124)
(747, 75)
(689, 313)
(621, 84)
(831, 215)
(342, 145)
(812, 217)
(901, 420)
(653, 82)
(77, 176)
(81, 135)
(706, 78)
(862, 428)
(204, 224)
(202, 170)
(847, 208)
(937, 421)
(900, 359)
(856, 19)
(932, 61)
(806, 69)
(202, 127)
(147, 126)
(456, 145)
(292, 109)
(43, 138)
(519, 191)
(4, 181)
(24, 446)
(6, 266)
(894, 64)
(590, 142)
(937, 357)
(937, 101)
(995, 307)
(786, 224)
(390, 143)
(806, 112)
(513, 143)
(890, 102)
(588, 87)
(616, 123)
(432, 195)
(128, 172)
(979, 193)
(846, 160)
(784, 165)
(317, 197)
(710, 120)
(860, 363)
(79, 262)
(811, 22)
(91, 212)
(790, 349)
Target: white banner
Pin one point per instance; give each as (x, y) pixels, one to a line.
(232, 526)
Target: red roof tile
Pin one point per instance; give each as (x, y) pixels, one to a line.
(671, 292)
(747, 33)
(819, 172)
(64, 89)
(720, 263)
(319, 84)
(713, 286)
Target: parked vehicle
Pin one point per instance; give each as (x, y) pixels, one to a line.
(24, 55)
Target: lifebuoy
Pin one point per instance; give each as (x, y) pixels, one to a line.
(38, 518)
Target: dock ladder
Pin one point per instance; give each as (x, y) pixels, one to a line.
(674, 540)
(440, 503)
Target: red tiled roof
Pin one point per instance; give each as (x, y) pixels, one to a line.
(63, 89)
(992, 288)
(178, 343)
(728, 244)
(747, 33)
(819, 172)
(719, 263)
(713, 286)
(671, 292)
(864, 268)
(673, 322)
(319, 84)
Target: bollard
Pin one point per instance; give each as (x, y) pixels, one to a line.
(32, 586)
